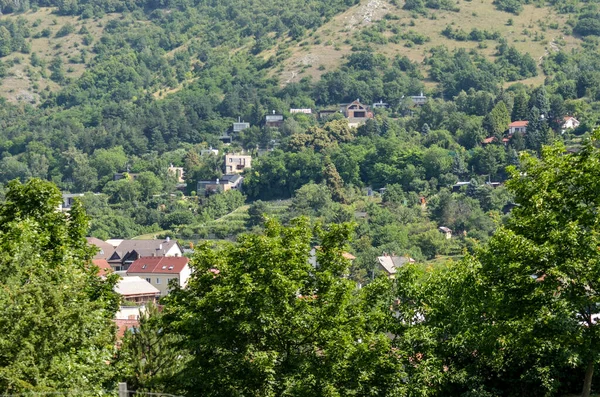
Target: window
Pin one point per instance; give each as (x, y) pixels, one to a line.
(144, 266)
(157, 280)
(149, 280)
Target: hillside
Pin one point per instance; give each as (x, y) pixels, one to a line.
(389, 29)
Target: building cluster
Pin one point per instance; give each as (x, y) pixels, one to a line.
(520, 126)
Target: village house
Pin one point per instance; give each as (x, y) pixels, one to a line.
(380, 105)
(356, 110)
(209, 151)
(68, 199)
(419, 100)
(177, 172)
(446, 232)
(128, 251)
(160, 271)
(274, 120)
(518, 126)
(136, 290)
(391, 263)
(105, 250)
(569, 123)
(219, 185)
(237, 163)
(240, 126)
(304, 111)
(103, 267)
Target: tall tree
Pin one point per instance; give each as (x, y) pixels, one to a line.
(56, 328)
(260, 320)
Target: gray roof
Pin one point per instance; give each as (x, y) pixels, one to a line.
(391, 263)
(134, 285)
(145, 247)
(105, 249)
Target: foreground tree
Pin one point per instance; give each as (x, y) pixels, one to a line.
(523, 312)
(56, 330)
(259, 320)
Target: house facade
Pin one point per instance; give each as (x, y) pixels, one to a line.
(518, 126)
(128, 251)
(569, 123)
(136, 290)
(390, 264)
(160, 272)
(356, 110)
(274, 120)
(219, 185)
(419, 100)
(237, 163)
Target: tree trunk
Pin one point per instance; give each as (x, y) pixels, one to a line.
(587, 383)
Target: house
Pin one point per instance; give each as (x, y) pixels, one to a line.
(103, 267)
(456, 187)
(128, 251)
(356, 110)
(237, 163)
(327, 113)
(304, 111)
(160, 271)
(274, 120)
(135, 289)
(240, 126)
(380, 105)
(419, 100)
(488, 140)
(105, 250)
(569, 123)
(226, 138)
(391, 263)
(518, 126)
(209, 151)
(220, 185)
(446, 231)
(68, 199)
(177, 172)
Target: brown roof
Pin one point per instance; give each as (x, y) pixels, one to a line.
(144, 247)
(164, 264)
(519, 123)
(103, 265)
(105, 249)
(124, 325)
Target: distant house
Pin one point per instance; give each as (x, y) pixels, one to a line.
(237, 163)
(219, 185)
(135, 289)
(240, 126)
(391, 263)
(274, 120)
(356, 110)
(380, 105)
(419, 100)
(456, 187)
(105, 250)
(209, 151)
(128, 251)
(103, 267)
(304, 111)
(446, 231)
(177, 172)
(67, 200)
(569, 123)
(518, 126)
(327, 113)
(488, 140)
(159, 271)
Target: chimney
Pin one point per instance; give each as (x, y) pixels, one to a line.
(168, 239)
(160, 246)
(217, 181)
(273, 111)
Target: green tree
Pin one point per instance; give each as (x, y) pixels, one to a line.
(56, 317)
(264, 322)
(256, 213)
(496, 122)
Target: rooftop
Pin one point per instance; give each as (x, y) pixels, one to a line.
(162, 265)
(134, 286)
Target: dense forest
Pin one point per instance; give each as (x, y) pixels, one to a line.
(103, 98)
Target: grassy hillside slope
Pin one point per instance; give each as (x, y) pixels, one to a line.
(379, 25)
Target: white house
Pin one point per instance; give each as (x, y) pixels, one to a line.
(159, 271)
(569, 123)
(518, 126)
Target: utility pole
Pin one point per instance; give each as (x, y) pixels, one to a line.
(123, 389)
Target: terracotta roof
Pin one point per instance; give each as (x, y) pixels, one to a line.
(518, 123)
(105, 249)
(124, 325)
(164, 264)
(103, 266)
(488, 140)
(567, 118)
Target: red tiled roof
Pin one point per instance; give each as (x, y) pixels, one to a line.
(102, 265)
(519, 123)
(124, 325)
(158, 264)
